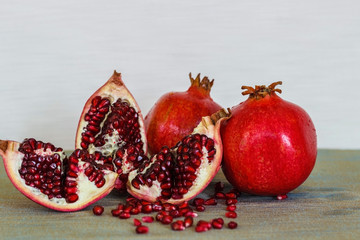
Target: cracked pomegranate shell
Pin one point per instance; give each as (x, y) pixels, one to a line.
(270, 144)
(178, 174)
(44, 174)
(111, 125)
(176, 114)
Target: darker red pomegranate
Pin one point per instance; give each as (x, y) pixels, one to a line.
(111, 127)
(180, 173)
(43, 173)
(176, 114)
(269, 144)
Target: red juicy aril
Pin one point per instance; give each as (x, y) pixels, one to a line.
(269, 143)
(180, 173)
(44, 174)
(111, 126)
(176, 114)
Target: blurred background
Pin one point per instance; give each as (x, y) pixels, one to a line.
(55, 54)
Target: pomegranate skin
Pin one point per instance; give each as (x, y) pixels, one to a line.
(176, 114)
(270, 146)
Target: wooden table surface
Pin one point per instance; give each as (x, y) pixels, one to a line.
(326, 206)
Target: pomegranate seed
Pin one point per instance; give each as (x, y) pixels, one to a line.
(200, 208)
(210, 201)
(202, 226)
(124, 215)
(231, 214)
(219, 186)
(198, 201)
(147, 209)
(188, 221)
(281, 197)
(142, 229)
(178, 225)
(230, 195)
(184, 205)
(231, 208)
(98, 210)
(217, 224)
(220, 195)
(175, 213)
(147, 219)
(231, 201)
(137, 222)
(167, 219)
(191, 214)
(232, 225)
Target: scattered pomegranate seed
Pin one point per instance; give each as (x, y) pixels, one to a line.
(142, 229)
(191, 214)
(220, 195)
(231, 214)
(167, 219)
(198, 201)
(200, 208)
(210, 201)
(202, 226)
(116, 212)
(217, 223)
(188, 221)
(281, 197)
(178, 225)
(147, 219)
(231, 201)
(219, 186)
(137, 222)
(124, 215)
(231, 208)
(230, 195)
(232, 225)
(147, 208)
(184, 205)
(98, 210)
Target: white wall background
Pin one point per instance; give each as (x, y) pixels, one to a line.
(54, 54)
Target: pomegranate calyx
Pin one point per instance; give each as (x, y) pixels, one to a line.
(260, 91)
(204, 85)
(221, 114)
(116, 78)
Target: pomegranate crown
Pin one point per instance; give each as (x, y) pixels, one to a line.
(261, 91)
(204, 83)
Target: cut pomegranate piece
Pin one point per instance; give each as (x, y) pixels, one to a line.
(111, 127)
(45, 175)
(179, 174)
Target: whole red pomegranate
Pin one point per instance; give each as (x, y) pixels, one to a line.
(176, 114)
(269, 144)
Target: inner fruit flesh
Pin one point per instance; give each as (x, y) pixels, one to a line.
(113, 131)
(47, 169)
(175, 170)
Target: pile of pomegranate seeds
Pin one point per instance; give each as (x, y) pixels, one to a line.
(167, 213)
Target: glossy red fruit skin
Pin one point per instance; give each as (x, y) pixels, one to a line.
(176, 114)
(270, 146)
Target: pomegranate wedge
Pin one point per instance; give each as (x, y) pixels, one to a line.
(180, 173)
(45, 175)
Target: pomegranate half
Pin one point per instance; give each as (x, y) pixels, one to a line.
(269, 144)
(176, 114)
(45, 175)
(178, 174)
(111, 125)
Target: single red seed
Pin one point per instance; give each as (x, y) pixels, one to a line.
(220, 195)
(184, 205)
(231, 201)
(116, 212)
(178, 225)
(124, 215)
(142, 229)
(167, 219)
(147, 219)
(281, 197)
(231, 208)
(137, 222)
(232, 225)
(200, 208)
(188, 221)
(147, 208)
(191, 214)
(210, 201)
(230, 195)
(98, 210)
(231, 214)
(217, 224)
(198, 201)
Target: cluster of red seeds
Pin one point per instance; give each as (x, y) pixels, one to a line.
(175, 169)
(167, 213)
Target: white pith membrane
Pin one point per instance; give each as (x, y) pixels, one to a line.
(205, 172)
(113, 90)
(86, 190)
